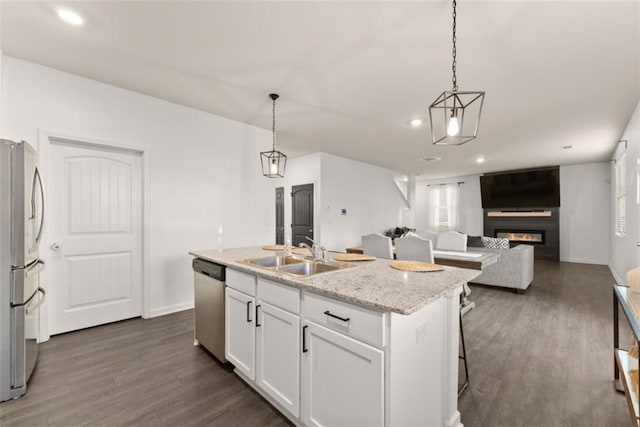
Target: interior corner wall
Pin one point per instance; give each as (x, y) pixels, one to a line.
(370, 196)
(584, 217)
(204, 170)
(625, 254)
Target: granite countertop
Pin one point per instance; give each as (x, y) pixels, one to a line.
(373, 284)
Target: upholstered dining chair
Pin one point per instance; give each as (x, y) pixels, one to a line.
(451, 241)
(414, 248)
(377, 245)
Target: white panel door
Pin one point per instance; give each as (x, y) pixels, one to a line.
(95, 252)
(342, 380)
(278, 355)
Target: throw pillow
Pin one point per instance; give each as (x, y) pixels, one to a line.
(474, 242)
(495, 243)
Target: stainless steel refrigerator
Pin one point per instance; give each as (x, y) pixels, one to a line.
(21, 221)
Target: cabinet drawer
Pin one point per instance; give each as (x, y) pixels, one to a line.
(358, 322)
(279, 295)
(242, 282)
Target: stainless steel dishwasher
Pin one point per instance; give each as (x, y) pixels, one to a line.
(209, 281)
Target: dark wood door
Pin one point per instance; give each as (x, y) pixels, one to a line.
(280, 216)
(301, 213)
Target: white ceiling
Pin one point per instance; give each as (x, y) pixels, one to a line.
(352, 74)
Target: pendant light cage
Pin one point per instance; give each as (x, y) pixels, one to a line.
(455, 115)
(465, 107)
(273, 162)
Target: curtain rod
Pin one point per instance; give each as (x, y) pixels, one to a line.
(446, 183)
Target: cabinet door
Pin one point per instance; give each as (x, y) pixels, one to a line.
(342, 379)
(240, 331)
(278, 355)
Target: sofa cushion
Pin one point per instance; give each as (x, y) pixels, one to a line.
(474, 242)
(495, 243)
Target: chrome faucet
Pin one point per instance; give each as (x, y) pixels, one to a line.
(319, 253)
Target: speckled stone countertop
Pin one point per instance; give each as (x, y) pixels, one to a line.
(373, 284)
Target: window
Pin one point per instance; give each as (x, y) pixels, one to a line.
(443, 212)
(621, 195)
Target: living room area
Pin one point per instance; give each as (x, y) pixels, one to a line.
(545, 357)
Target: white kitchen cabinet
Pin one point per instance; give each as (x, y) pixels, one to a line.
(342, 379)
(278, 355)
(240, 331)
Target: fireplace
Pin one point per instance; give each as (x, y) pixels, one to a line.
(539, 228)
(535, 237)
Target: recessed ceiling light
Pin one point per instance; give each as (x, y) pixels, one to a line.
(480, 159)
(70, 17)
(416, 123)
(567, 147)
(431, 159)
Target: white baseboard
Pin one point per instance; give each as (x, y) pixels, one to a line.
(584, 261)
(169, 309)
(618, 279)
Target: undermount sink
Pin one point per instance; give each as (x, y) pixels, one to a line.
(296, 266)
(273, 261)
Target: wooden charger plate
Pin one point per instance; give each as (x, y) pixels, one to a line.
(416, 266)
(354, 257)
(301, 251)
(273, 248)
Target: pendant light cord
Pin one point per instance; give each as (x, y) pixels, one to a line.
(274, 124)
(453, 64)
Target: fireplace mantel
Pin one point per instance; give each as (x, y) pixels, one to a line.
(520, 214)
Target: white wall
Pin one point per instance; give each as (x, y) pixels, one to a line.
(624, 252)
(373, 202)
(204, 169)
(584, 212)
(471, 221)
(584, 216)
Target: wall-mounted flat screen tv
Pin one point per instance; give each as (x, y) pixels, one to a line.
(535, 188)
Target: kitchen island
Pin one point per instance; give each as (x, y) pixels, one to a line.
(361, 345)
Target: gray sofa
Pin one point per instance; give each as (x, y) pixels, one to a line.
(514, 268)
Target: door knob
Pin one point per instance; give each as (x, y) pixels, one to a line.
(311, 230)
(55, 246)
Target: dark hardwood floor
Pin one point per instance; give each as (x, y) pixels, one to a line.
(539, 359)
(544, 358)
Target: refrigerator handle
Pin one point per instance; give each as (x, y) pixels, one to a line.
(40, 302)
(37, 175)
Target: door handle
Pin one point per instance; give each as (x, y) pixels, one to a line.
(55, 246)
(311, 230)
(257, 322)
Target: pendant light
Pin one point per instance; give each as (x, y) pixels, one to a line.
(455, 115)
(273, 162)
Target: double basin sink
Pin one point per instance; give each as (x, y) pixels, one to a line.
(296, 266)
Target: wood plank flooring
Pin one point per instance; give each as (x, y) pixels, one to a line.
(544, 358)
(539, 359)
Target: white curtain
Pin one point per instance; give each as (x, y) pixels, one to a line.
(444, 207)
(453, 206)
